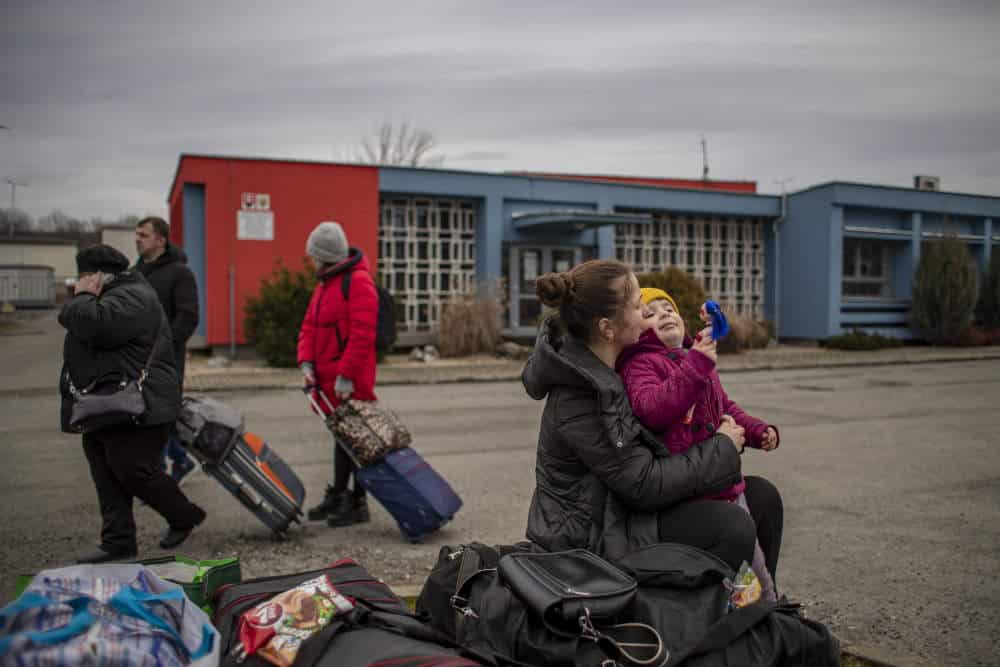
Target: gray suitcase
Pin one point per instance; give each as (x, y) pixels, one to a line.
(241, 461)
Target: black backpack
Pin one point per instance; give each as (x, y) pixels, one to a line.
(385, 327)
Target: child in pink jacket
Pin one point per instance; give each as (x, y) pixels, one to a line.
(675, 392)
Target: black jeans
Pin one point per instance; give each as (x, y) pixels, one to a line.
(126, 463)
(725, 529)
(343, 470)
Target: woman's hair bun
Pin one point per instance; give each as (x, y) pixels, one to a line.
(554, 289)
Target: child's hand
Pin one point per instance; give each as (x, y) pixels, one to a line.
(770, 439)
(706, 345)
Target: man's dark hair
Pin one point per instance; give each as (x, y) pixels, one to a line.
(160, 226)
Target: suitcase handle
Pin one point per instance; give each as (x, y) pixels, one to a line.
(313, 390)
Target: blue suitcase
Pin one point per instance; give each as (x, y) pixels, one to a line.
(416, 496)
(411, 491)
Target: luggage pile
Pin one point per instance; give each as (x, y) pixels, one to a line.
(664, 606)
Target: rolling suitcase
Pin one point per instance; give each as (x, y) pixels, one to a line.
(413, 493)
(241, 461)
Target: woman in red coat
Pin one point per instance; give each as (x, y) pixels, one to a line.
(337, 352)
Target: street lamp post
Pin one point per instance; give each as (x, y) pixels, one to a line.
(13, 193)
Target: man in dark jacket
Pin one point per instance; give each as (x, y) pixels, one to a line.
(165, 267)
(115, 326)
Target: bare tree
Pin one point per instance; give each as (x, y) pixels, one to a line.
(15, 221)
(402, 146)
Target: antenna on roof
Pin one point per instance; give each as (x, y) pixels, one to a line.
(704, 158)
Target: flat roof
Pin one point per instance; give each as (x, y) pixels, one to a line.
(630, 181)
(895, 188)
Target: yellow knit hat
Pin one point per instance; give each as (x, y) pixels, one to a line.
(650, 294)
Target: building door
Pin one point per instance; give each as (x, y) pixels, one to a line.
(527, 263)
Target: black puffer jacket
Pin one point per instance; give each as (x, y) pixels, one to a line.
(601, 477)
(175, 285)
(114, 333)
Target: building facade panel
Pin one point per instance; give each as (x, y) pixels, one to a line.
(726, 254)
(299, 195)
(427, 256)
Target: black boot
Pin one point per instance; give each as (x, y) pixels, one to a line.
(343, 513)
(330, 499)
(361, 509)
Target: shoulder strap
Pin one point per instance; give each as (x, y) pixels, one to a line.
(345, 290)
(724, 632)
(345, 285)
(152, 350)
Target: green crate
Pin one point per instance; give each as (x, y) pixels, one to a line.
(199, 578)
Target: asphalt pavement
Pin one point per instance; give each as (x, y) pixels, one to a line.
(890, 476)
(888, 467)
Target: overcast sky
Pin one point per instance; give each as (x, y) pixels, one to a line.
(102, 97)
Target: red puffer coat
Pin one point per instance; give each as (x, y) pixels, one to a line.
(664, 385)
(338, 336)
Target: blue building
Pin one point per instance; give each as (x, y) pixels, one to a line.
(520, 226)
(820, 261)
(847, 253)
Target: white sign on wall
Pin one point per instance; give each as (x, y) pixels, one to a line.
(255, 225)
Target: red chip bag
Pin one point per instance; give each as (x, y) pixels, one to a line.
(275, 629)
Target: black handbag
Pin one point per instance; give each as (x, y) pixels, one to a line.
(112, 399)
(564, 586)
(562, 607)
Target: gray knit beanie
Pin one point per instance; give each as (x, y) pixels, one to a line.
(327, 243)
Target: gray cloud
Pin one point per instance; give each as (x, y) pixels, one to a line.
(103, 96)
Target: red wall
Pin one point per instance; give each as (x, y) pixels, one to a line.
(692, 184)
(302, 196)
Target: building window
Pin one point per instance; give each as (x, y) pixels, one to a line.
(866, 268)
(427, 250)
(725, 254)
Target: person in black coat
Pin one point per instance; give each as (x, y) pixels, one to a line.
(115, 325)
(165, 267)
(603, 482)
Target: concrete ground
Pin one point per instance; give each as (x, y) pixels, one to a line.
(898, 551)
(890, 475)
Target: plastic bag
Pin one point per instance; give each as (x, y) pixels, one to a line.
(746, 588)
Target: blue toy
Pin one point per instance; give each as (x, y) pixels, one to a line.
(720, 326)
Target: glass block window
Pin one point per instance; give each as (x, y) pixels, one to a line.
(427, 254)
(725, 253)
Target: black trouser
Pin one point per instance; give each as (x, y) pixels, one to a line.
(125, 463)
(726, 530)
(343, 469)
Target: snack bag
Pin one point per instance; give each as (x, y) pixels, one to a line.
(745, 588)
(275, 630)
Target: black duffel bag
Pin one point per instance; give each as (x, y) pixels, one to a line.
(534, 607)
(683, 593)
(380, 630)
